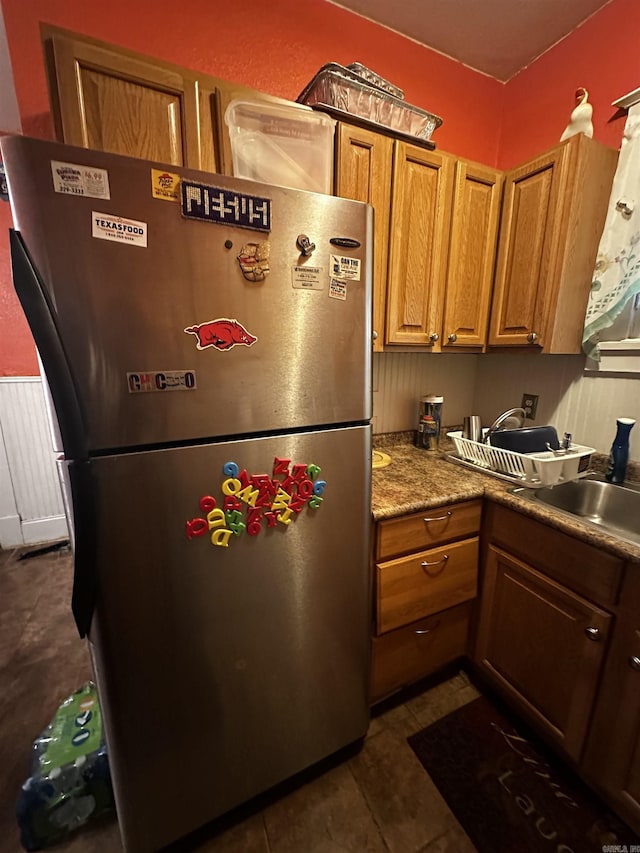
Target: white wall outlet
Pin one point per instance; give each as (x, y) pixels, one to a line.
(530, 405)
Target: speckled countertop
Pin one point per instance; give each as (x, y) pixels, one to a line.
(419, 479)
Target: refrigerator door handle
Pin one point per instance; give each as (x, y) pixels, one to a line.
(85, 578)
(41, 316)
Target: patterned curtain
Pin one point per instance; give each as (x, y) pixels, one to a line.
(616, 278)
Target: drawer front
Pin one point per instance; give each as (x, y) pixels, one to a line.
(410, 588)
(422, 530)
(415, 651)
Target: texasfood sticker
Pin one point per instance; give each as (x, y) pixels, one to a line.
(73, 179)
(165, 185)
(104, 226)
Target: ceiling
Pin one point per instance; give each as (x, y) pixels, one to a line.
(497, 37)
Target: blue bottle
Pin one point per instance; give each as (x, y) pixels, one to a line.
(619, 451)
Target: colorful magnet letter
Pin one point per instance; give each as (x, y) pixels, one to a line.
(223, 334)
(254, 260)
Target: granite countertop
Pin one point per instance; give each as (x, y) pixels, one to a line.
(420, 479)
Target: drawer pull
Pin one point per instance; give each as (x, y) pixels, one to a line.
(439, 517)
(593, 633)
(634, 662)
(437, 625)
(442, 561)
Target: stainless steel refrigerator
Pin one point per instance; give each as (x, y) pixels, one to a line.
(207, 346)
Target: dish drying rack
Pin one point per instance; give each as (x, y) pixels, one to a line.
(532, 470)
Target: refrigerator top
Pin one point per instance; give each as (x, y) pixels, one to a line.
(175, 305)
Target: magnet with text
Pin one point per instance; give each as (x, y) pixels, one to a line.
(345, 267)
(254, 260)
(165, 185)
(223, 334)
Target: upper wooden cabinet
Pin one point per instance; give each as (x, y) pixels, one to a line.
(472, 251)
(552, 218)
(418, 241)
(115, 100)
(435, 253)
(363, 173)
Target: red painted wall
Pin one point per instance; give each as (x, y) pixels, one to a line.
(603, 55)
(277, 47)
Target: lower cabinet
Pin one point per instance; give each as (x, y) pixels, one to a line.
(425, 582)
(543, 645)
(612, 755)
(409, 653)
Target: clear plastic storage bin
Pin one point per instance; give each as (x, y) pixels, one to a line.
(291, 146)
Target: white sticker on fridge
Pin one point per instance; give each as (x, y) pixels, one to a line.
(337, 289)
(307, 278)
(74, 179)
(343, 266)
(107, 227)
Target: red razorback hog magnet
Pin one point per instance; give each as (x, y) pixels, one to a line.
(223, 334)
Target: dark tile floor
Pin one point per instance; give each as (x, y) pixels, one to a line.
(379, 800)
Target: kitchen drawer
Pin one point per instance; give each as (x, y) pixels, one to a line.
(586, 570)
(413, 587)
(422, 530)
(403, 656)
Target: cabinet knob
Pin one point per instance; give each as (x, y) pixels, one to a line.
(634, 662)
(532, 337)
(374, 335)
(593, 634)
(433, 337)
(452, 338)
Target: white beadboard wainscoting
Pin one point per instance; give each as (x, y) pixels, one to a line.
(401, 379)
(583, 404)
(31, 508)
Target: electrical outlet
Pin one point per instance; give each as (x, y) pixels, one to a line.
(530, 406)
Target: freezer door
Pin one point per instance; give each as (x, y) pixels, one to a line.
(175, 328)
(226, 668)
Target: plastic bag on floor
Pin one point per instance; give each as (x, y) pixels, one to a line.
(70, 782)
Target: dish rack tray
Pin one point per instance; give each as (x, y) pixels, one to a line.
(526, 469)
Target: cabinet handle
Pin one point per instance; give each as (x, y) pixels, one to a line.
(433, 337)
(427, 630)
(439, 517)
(442, 561)
(634, 662)
(532, 337)
(374, 335)
(452, 338)
(593, 633)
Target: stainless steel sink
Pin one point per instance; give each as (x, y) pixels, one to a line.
(613, 508)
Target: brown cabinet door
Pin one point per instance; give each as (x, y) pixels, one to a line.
(472, 253)
(542, 645)
(106, 99)
(363, 173)
(419, 235)
(612, 755)
(612, 758)
(528, 246)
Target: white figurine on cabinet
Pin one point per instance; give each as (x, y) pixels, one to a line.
(580, 121)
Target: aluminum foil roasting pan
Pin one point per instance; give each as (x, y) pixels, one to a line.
(345, 90)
